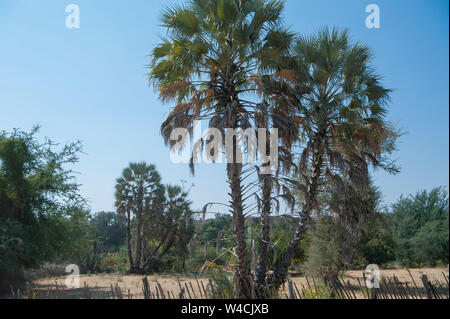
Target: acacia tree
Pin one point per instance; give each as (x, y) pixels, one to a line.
(39, 198)
(340, 102)
(138, 192)
(209, 63)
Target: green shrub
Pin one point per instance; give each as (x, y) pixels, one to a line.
(114, 263)
(318, 292)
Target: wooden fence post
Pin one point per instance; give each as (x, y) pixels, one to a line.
(290, 290)
(373, 293)
(146, 288)
(426, 286)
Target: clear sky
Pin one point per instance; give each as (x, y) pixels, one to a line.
(89, 84)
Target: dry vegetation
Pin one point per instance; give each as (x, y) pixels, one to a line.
(101, 285)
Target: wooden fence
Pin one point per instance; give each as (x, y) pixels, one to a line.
(339, 288)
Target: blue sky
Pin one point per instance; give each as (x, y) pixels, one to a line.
(89, 84)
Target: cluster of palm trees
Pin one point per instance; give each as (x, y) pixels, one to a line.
(157, 217)
(234, 64)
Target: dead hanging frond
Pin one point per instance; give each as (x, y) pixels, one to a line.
(258, 202)
(255, 81)
(277, 185)
(205, 209)
(287, 75)
(245, 122)
(184, 114)
(286, 161)
(304, 159)
(289, 200)
(335, 159)
(179, 117)
(298, 120)
(277, 204)
(359, 175)
(197, 151)
(175, 90)
(218, 122)
(201, 99)
(288, 130)
(345, 201)
(261, 117)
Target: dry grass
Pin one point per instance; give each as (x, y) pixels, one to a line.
(434, 274)
(100, 285)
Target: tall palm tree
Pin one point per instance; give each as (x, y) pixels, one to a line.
(137, 191)
(340, 102)
(209, 63)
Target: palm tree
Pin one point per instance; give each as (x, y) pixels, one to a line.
(210, 64)
(339, 100)
(168, 226)
(138, 190)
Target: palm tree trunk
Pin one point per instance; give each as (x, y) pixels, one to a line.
(281, 273)
(138, 244)
(130, 252)
(242, 274)
(139, 231)
(261, 268)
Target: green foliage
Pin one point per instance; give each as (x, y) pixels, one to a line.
(37, 197)
(325, 256)
(210, 229)
(320, 291)
(116, 262)
(15, 247)
(420, 228)
(169, 231)
(223, 283)
(282, 233)
(375, 247)
(139, 200)
(197, 259)
(110, 231)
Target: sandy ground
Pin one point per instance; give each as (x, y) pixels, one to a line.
(414, 279)
(131, 286)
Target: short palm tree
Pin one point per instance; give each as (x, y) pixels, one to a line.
(138, 190)
(340, 102)
(168, 226)
(210, 64)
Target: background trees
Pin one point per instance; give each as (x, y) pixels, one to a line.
(110, 229)
(38, 194)
(419, 226)
(158, 217)
(138, 194)
(169, 228)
